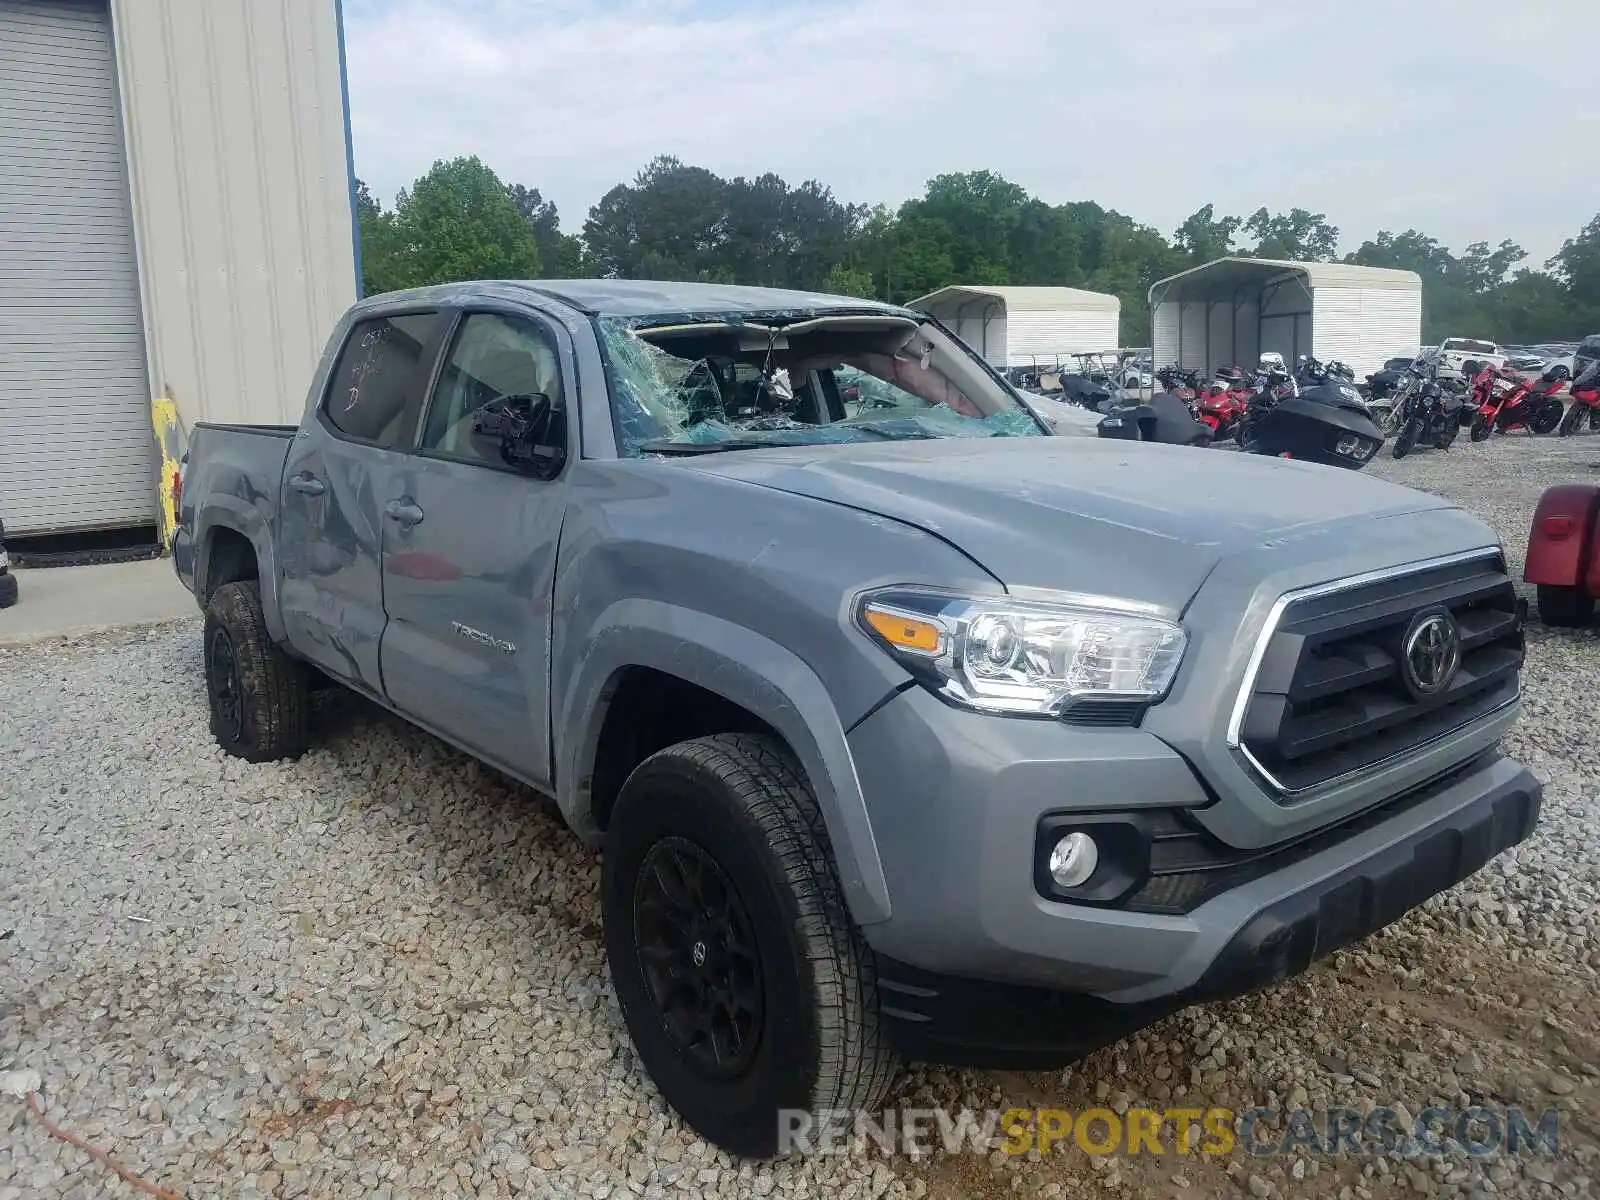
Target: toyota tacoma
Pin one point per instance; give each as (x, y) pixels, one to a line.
(905, 729)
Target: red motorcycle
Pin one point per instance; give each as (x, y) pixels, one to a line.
(1585, 399)
(1222, 403)
(1506, 401)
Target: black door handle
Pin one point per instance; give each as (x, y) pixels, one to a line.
(403, 511)
(308, 485)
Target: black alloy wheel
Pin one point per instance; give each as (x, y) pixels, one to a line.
(222, 680)
(699, 957)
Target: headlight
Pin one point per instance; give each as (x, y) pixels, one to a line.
(1005, 655)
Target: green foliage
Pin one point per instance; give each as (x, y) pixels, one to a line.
(676, 221)
(456, 222)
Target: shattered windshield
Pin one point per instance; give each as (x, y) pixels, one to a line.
(719, 382)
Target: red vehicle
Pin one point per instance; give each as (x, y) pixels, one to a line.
(1506, 401)
(1585, 399)
(1563, 560)
(1222, 402)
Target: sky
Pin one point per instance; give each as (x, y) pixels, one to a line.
(1471, 120)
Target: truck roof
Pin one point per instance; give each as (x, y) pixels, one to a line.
(644, 297)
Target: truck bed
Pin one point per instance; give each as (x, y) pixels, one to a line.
(238, 468)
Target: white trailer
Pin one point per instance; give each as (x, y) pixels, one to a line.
(1234, 310)
(1026, 326)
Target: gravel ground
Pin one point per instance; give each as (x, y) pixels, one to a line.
(378, 971)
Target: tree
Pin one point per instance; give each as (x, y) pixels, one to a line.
(560, 254)
(1577, 265)
(1203, 237)
(981, 210)
(380, 272)
(1297, 235)
(457, 222)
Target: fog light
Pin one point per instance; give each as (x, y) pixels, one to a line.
(1073, 860)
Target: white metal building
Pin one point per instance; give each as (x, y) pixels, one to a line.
(175, 222)
(1234, 310)
(1025, 326)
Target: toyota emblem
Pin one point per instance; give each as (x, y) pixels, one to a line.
(1430, 653)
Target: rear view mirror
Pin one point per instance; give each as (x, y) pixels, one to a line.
(527, 431)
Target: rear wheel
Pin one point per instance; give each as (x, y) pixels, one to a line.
(1480, 428)
(744, 984)
(1546, 417)
(1447, 433)
(260, 697)
(1407, 440)
(1564, 607)
(1571, 420)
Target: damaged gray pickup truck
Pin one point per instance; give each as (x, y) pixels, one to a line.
(905, 729)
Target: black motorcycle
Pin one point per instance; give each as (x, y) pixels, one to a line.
(1428, 415)
(1086, 393)
(1326, 423)
(1163, 418)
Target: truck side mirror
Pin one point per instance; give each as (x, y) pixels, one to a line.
(527, 431)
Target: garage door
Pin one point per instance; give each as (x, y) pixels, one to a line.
(76, 449)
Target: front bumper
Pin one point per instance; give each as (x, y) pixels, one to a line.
(974, 957)
(1289, 923)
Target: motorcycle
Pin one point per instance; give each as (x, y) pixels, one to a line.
(1222, 403)
(1320, 424)
(1585, 393)
(1163, 418)
(1504, 401)
(1180, 382)
(1431, 416)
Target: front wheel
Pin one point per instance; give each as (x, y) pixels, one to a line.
(1407, 440)
(1481, 428)
(744, 984)
(1571, 420)
(1564, 607)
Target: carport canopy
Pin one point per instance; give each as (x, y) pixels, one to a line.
(1235, 308)
(1221, 278)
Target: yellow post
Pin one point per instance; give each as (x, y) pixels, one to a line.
(169, 438)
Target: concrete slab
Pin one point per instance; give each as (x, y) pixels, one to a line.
(58, 600)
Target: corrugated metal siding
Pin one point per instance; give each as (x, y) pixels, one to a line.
(76, 448)
(1164, 333)
(235, 124)
(1192, 335)
(1364, 326)
(1034, 334)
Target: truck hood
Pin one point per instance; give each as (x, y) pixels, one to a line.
(1141, 522)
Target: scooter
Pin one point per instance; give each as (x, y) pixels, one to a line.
(1506, 401)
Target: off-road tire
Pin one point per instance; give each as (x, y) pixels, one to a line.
(1407, 439)
(742, 801)
(1571, 420)
(274, 696)
(1564, 607)
(1481, 429)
